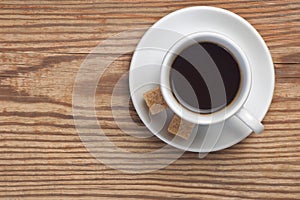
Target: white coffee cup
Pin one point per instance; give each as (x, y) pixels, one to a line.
(235, 108)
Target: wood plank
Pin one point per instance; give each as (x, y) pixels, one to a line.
(84, 24)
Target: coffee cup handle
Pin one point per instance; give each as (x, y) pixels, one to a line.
(253, 123)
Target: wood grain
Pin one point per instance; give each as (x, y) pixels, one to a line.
(42, 45)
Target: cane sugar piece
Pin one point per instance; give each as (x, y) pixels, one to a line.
(155, 101)
(180, 127)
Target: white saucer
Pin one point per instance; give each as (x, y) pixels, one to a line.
(146, 63)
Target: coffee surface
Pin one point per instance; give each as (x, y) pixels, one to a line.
(205, 77)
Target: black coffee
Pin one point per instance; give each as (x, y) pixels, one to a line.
(205, 77)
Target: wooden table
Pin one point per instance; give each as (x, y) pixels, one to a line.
(42, 46)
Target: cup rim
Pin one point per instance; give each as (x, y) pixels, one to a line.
(224, 113)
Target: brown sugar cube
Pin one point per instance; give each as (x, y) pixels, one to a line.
(155, 101)
(180, 127)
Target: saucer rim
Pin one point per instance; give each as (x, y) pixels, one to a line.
(259, 40)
